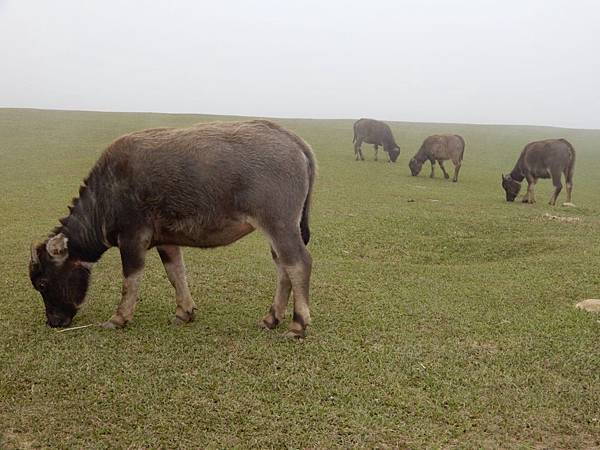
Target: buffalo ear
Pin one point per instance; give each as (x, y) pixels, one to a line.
(57, 248)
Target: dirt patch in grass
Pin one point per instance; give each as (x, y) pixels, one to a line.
(561, 219)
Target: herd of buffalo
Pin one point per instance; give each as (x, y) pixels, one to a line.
(212, 184)
(551, 158)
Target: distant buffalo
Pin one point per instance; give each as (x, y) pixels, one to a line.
(541, 159)
(439, 147)
(204, 186)
(376, 133)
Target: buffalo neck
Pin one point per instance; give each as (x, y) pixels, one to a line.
(88, 225)
(389, 145)
(420, 156)
(517, 173)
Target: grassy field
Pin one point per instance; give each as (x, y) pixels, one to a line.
(446, 321)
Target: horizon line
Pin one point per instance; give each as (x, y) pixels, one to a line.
(296, 117)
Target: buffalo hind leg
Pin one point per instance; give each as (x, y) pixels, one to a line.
(557, 187)
(569, 183)
(441, 163)
(376, 151)
(530, 195)
(297, 263)
(457, 165)
(282, 294)
(133, 254)
(172, 259)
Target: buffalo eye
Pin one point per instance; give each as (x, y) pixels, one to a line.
(41, 285)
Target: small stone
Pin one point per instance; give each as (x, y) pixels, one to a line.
(569, 204)
(590, 305)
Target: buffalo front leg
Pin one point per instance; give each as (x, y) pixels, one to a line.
(172, 259)
(432, 169)
(376, 151)
(530, 195)
(133, 254)
(441, 163)
(282, 294)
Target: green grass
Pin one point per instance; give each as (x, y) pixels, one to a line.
(445, 323)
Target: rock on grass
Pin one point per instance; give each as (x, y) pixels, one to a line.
(590, 305)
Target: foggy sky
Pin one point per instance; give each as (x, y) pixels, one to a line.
(511, 61)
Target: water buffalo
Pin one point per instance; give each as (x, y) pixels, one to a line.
(376, 133)
(439, 147)
(541, 159)
(204, 186)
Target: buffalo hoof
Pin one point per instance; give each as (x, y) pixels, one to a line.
(454, 180)
(265, 326)
(446, 176)
(294, 334)
(268, 322)
(110, 325)
(184, 317)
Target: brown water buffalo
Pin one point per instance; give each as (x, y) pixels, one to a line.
(376, 133)
(439, 147)
(204, 186)
(541, 159)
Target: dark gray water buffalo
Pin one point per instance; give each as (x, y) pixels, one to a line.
(542, 159)
(376, 133)
(204, 186)
(439, 147)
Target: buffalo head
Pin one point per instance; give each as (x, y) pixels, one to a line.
(61, 281)
(394, 152)
(511, 187)
(415, 166)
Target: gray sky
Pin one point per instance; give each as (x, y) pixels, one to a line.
(474, 61)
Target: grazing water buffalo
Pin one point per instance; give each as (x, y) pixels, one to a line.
(204, 186)
(542, 159)
(439, 147)
(376, 133)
